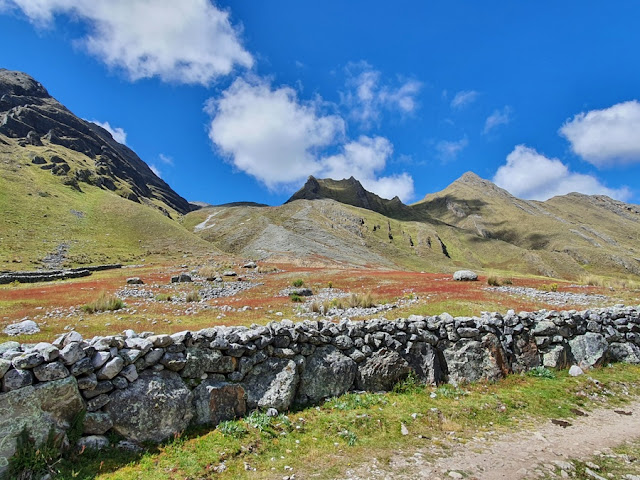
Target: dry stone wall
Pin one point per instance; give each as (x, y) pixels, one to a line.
(147, 387)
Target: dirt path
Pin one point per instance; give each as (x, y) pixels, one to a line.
(516, 455)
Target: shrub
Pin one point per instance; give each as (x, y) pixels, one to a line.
(163, 297)
(493, 281)
(104, 303)
(507, 281)
(330, 285)
(298, 283)
(192, 296)
(549, 288)
(296, 298)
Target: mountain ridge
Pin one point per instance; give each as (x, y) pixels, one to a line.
(31, 116)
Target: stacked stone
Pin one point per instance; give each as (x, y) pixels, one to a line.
(147, 387)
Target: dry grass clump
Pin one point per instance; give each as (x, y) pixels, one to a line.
(209, 272)
(355, 300)
(104, 303)
(615, 283)
(193, 296)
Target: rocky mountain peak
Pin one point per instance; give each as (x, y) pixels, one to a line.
(20, 84)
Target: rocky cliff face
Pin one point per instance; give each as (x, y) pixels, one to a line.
(348, 191)
(30, 116)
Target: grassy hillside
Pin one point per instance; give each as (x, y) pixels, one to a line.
(470, 224)
(42, 215)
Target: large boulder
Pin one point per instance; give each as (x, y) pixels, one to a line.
(38, 409)
(471, 360)
(558, 356)
(201, 361)
(624, 352)
(272, 383)
(154, 407)
(327, 373)
(215, 402)
(424, 361)
(26, 327)
(589, 349)
(381, 371)
(525, 353)
(465, 276)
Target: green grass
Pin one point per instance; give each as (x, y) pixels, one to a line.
(110, 229)
(322, 442)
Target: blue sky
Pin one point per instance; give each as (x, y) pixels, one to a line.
(241, 100)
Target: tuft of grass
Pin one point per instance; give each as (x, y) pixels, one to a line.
(233, 428)
(163, 297)
(31, 461)
(553, 287)
(357, 300)
(410, 384)
(493, 281)
(541, 372)
(295, 298)
(208, 272)
(192, 296)
(298, 283)
(354, 401)
(104, 303)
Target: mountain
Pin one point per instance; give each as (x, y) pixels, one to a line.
(33, 118)
(348, 191)
(472, 223)
(71, 195)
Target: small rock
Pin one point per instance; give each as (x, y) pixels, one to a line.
(250, 265)
(575, 371)
(455, 475)
(403, 429)
(93, 442)
(134, 281)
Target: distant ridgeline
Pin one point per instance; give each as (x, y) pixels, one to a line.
(148, 387)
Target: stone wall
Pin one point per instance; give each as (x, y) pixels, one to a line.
(146, 387)
(51, 275)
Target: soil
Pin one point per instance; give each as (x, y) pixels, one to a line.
(522, 455)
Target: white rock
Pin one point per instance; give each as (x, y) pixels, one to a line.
(575, 371)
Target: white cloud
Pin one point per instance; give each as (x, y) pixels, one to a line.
(364, 159)
(118, 134)
(497, 118)
(530, 175)
(268, 133)
(606, 137)
(367, 97)
(167, 160)
(464, 98)
(449, 150)
(278, 139)
(179, 41)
